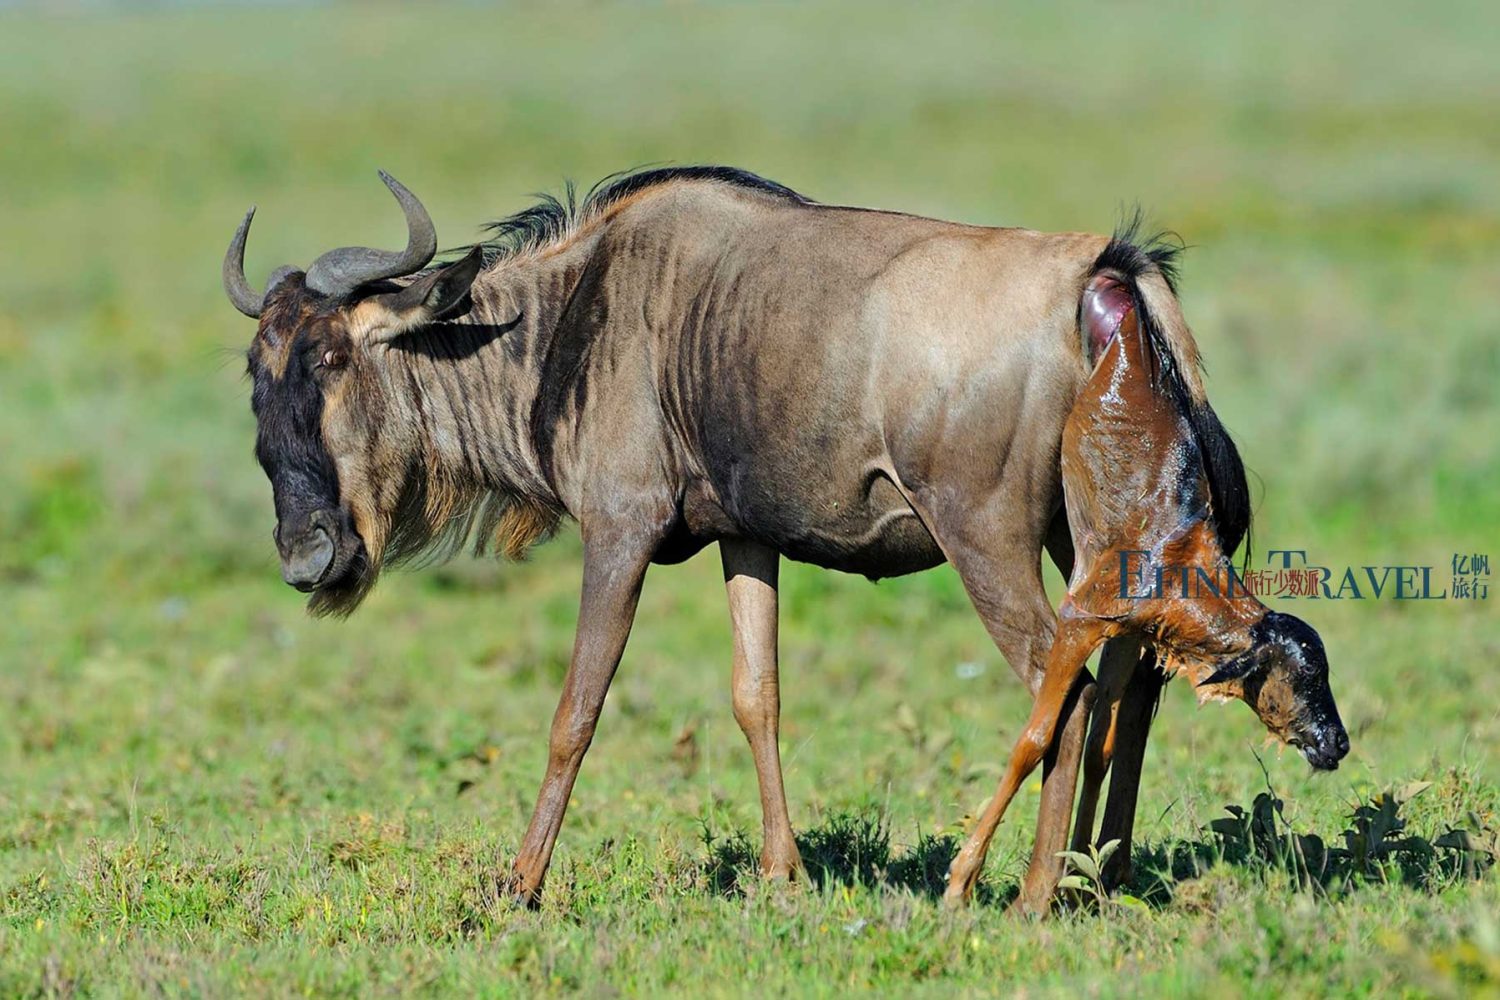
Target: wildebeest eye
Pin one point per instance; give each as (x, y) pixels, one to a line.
(334, 358)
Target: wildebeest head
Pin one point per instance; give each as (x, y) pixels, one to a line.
(1188, 499)
(318, 395)
(1284, 678)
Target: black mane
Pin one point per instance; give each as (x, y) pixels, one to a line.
(552, 217)
(1131, 255)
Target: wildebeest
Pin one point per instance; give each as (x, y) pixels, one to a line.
(694, 355)
(1139, 507)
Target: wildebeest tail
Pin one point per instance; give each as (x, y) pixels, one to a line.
(1149, 265)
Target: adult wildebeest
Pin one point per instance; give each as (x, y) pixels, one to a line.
(1135, 488)
(698, 355)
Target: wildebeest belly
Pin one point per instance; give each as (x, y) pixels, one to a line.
(863, 527)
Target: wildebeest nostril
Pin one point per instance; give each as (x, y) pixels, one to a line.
(1327, 750)
(308, 559)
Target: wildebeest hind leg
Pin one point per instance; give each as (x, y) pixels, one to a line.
(1116, 666)
(1075, 641)
(1133, 726)
(750, 571)
(996, 550)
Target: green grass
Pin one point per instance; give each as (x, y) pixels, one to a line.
(206, 793)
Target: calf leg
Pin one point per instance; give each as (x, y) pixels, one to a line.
(1060, 764)
(611, 586)
(1074, 642)
(1116, 666)
(750, 576)
(1133, 726)
(1059, 783)
(999, 563)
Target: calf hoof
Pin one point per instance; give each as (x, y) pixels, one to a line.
(960, 890)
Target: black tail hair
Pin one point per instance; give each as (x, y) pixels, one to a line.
(1227, 484)
(1131, 255)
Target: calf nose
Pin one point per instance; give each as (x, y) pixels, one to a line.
(305, 561)
(1332, 746)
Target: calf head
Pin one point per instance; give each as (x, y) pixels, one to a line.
(1283, 677)
(1280, 668)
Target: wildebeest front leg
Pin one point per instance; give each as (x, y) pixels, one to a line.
(1075, 640)
(611, 586)
(750, 571)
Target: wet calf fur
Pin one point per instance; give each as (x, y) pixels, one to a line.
(1136, 480)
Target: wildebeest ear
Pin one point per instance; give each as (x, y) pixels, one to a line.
(1107, 307)
(1240, 667)
(439, 293)
(431, 297)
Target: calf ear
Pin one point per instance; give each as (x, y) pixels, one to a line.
(1240, 667)
(1108, 305)
(431, 297)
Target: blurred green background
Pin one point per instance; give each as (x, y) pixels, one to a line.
(205, 792)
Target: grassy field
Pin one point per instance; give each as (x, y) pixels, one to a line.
(206, 793)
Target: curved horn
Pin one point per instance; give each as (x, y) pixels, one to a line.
(246, 299)
(340, 271)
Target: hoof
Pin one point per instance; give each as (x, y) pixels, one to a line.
(514, 892)
(1116, 877)
(958, 893)
(1026, 908)
(782, 871)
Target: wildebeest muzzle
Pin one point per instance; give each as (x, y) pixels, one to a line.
(317, 548)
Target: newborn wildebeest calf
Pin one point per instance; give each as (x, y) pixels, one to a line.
(1149, 567)
(699, 355)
